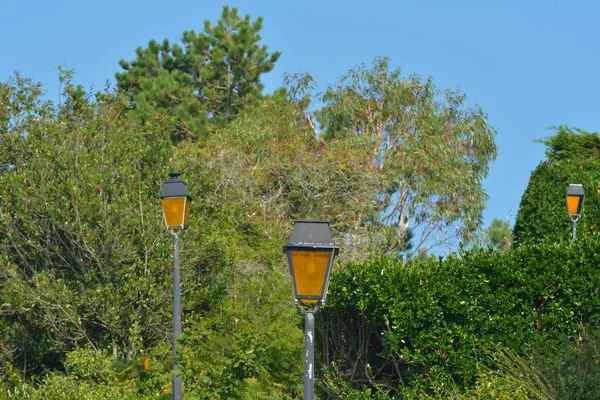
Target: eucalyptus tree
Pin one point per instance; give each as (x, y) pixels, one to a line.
(432, 152)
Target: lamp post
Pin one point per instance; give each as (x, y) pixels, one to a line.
(176, 203)
(574, 198)
(310, 253)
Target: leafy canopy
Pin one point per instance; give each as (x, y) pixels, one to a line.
(571, 143)
(205, 82)
(542, 212)
(499, 234)
(75, 222)
(432, 152)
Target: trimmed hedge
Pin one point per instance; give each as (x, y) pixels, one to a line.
(393, 325)
(542, 213)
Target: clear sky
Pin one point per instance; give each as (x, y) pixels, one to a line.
(531, 64)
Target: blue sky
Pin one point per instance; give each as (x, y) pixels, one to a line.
(530, 64)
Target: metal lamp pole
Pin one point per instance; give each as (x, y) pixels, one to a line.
(176, 315)
(309, 352)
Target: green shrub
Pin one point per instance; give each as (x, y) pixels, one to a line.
(392, 324)
(573, 367)
(542, 213)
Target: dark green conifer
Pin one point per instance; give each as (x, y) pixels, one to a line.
(201, 84)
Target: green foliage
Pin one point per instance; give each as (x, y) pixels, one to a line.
(572, 158)
(573, 367)
(431, 150)
(569, 370)
(259, 174)
(543, 214)
(203, 83)
(391, 324)
(512, 377)
(92, 375)
(334, 386)
(574, 144)
(251, 348)
(499, 235)
(267, 169)
(22, 108)
(75, 225)
(86, 259)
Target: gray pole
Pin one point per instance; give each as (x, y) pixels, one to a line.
(574, 229)
(309, 355)
(176, 315)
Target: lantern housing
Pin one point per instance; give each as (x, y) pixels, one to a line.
(310, 254)
(574, 199)
(176, 203)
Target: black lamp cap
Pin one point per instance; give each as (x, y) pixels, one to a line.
(311, 234)
(575, 190)
(174, 187)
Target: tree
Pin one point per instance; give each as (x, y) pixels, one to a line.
(499, 234)
(83, 260)
(270, 169)
(570, 143)
(542, 212)
(260, 172)
(86, 264)
(22, 108)
(432, 153)
(572, 158)
(203, 83)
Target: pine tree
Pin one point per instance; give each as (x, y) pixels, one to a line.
(499, 234)
(202, 84)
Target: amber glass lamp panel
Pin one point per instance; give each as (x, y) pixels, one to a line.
(310, 271)
(573, 205)
(176, 211)
(186, 215)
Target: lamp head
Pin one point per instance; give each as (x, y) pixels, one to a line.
(176, 203)
(574, 199)
(310, 254)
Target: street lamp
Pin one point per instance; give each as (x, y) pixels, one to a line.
(176, 203)
(574, 198)
(310, 253)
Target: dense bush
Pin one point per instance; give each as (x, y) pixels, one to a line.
(543, 214)
(395, 325)
(86, 260)
(572, 368)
